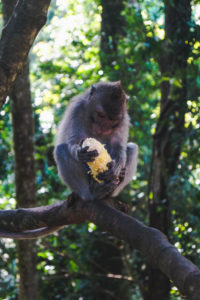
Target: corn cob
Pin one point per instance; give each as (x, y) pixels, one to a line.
(100, 163)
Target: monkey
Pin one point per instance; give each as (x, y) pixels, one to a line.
(100, 112)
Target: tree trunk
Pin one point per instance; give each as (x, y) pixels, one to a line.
(169, 134)
(112, 28)
(23, 134)
(23, 130)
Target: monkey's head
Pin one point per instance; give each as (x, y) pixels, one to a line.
(106, 107)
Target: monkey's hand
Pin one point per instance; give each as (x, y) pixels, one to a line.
(109, 183)
(122, 175)
(85, 156)
(109, 174)
(103, 190)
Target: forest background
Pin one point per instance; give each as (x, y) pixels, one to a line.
(153, 48)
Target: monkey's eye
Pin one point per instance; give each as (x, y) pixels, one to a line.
(100, 114)
(115, 124)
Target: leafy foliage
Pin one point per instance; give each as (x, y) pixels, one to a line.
(78, 262)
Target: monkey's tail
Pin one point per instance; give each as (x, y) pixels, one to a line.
(29, 234)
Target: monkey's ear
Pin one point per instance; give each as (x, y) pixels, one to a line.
(118, 83)
(92, 89)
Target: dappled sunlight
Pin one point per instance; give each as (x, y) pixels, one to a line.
(153, 48)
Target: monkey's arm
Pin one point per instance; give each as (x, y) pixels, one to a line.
(73, 145)
(73, 172)
(80, 153)
(119, 156)
(130, 167)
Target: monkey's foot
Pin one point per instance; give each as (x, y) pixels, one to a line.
(72, 198)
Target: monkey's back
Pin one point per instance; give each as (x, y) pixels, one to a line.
(72, 121)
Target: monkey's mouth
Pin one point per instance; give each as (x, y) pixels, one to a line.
(106, 132)
(102, 131)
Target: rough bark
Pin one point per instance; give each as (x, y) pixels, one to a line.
(17, 37)
(169, 134)
(150, 241)
(23, 134)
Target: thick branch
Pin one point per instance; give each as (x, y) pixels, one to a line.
(17, 38)
(151, 242)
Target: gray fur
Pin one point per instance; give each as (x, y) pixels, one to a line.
(75, 126)
(131, 167)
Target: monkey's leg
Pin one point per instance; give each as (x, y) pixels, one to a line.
(131, 167)
(102, 190)
(72, 172)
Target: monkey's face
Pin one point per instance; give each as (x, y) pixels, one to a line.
(103, 122)
(102, 125)
(106, 108)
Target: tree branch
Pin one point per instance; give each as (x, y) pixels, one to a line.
(150, 241)
(17, 38)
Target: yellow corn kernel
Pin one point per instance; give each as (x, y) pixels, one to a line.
(100, 163)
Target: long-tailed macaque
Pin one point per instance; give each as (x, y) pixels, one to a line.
(100, 113)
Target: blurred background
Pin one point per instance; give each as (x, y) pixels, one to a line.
(153, 47)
